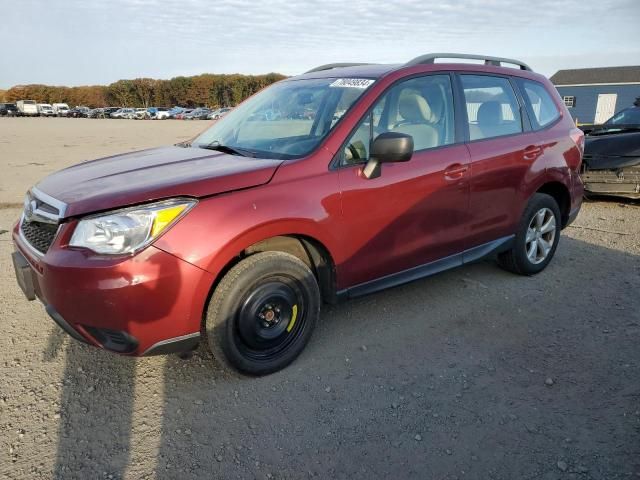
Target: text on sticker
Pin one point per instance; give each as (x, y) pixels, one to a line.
(352, 83)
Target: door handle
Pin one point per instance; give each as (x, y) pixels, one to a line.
(455, 171)
(532, 152)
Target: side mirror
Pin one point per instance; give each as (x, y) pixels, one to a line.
(388, 147)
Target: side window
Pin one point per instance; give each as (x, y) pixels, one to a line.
(540, 104)
(492, 107)
(421, 107)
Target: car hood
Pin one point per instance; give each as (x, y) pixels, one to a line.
(614, 150)
(153, 174)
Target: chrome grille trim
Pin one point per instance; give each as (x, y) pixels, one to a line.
(39, 209)
(60, 206)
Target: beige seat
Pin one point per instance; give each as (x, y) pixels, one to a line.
(491, 122)
(416, 120)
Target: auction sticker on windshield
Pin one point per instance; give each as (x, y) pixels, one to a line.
(352, 83)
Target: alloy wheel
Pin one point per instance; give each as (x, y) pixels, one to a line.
(541, 235)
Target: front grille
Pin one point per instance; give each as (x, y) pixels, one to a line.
(39, 235)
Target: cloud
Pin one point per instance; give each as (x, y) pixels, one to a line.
(79, 41)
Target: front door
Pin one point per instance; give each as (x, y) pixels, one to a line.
(605, 108)
(416, 211)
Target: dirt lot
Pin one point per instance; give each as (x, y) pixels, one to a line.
(474, 373)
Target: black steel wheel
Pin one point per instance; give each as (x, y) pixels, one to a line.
(263, 313)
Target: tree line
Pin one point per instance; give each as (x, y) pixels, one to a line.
(211, 90)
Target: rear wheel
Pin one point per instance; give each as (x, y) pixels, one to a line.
(537, 237)
(263, 313)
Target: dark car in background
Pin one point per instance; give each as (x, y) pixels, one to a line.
(78, 112)
(95, 113)
(9, 110)
(611, 163)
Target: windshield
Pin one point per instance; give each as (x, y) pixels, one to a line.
(629, 116)
(287, 120)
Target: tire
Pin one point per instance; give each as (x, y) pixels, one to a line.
(262, 313)
(535, 231)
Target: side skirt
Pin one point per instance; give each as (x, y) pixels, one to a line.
(447, 263)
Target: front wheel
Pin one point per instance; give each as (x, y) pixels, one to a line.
(536, 239)
(262, 313)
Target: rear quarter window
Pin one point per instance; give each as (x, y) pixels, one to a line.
(542, 109)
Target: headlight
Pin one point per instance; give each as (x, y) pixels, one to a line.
(129, 230)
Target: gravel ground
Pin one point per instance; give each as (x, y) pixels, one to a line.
(474, 373)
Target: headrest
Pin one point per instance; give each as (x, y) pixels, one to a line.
(490, 113)
(414, 108)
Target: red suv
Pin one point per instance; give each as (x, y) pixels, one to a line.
(325, 186)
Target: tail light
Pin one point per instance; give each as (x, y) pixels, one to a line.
(577, 136)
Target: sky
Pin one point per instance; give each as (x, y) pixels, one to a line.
(86, 42)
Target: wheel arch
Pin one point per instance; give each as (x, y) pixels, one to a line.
(313, 252)
(561, 195)
(308, 249)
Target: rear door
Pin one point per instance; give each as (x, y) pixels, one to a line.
(416, 211)
(500, 157)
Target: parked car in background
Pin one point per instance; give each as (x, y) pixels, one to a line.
(107, 111)
(175, 111)
(45, 110)
(9, 110)
(162, 113)
(27, 108)
(123, 113)
(140, 114)
(219, 113)
(246, 230)
(95, 113)
(60, 109)
(78, 112)
(183, 113)
(611, 163)
(200, 113)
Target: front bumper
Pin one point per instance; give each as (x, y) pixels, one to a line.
(147, 304)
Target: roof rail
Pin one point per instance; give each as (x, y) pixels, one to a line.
(330, 66)
(496, 61)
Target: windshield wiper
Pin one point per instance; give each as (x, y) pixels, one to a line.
(217, 146)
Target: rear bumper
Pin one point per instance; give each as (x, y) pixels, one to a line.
(573, 215)
(148, 304)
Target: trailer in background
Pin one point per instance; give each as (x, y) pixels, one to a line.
(27, 108)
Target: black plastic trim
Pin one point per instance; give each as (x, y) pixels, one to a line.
(62, 323)
(117, 341)
(24, 275)
(185, 343)
(456, 260)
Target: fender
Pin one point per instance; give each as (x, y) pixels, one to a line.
(220, 228)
